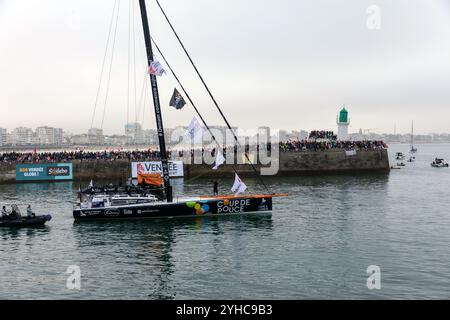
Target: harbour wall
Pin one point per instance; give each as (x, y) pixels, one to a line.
(291, 163)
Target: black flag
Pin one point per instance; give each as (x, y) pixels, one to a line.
(177, 100)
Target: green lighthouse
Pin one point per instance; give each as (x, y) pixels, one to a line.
(343, 116)
(343, 122)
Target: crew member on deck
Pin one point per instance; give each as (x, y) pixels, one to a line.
(216, 188)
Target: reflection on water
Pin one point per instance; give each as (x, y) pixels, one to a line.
(317, 243)
(149, 243)
(43, 187)
(29, 235)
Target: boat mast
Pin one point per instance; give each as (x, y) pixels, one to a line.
(156, 103)
(412, 135)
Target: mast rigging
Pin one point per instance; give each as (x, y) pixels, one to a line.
(210, 94)
(156, 103)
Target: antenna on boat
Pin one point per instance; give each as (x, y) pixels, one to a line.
(156, 103)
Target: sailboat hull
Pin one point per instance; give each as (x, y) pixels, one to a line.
(183, 208)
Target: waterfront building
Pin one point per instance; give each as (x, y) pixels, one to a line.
(343, 122)
(22, 136)
(95, 136)
(134, 132)
(151, 137)
(58, 136)
(3, 137)
(80, 139)
(116, 140)
(49, 136)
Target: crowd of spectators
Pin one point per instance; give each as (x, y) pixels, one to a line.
(67, 156)
(110, 155)
(152, 155)
(299, 145)
(321, 134)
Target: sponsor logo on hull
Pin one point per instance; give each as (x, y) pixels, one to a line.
(112, 212)
(89, 213)
(232, 205)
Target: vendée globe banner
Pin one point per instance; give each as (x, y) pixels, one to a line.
(44, 172)
(175, 168)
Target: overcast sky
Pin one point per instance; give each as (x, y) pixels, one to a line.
(289, 64)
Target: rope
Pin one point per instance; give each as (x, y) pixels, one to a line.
(134, 64)
(209, 92)
(142, 97)
(103, 64)
(110, 66)
(144, 102)
(129, 61)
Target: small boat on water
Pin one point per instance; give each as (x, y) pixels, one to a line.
(439, 163)
(413, 149)
(15, 219)
(399, 156)
(25, 222)
(401, 164)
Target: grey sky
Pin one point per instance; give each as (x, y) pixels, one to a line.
(288, 64)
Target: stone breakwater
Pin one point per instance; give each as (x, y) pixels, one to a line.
(291, 163)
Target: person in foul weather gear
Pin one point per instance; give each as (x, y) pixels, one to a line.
(30, 213)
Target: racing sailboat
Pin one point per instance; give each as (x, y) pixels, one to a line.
(413, 149)
(116, 206)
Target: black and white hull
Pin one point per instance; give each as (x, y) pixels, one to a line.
(193, 207)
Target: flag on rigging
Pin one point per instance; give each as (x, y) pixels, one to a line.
(219, 160)
(177, 100)
(195, 130)
(156, 68)
(238, 185)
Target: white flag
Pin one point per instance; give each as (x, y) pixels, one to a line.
(238, 186)
(219, 160)
(91, 184)
(195, 130)
(156, 68)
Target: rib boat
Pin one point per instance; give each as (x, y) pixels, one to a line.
(439, 163)
(22, 221)
(25, 222)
